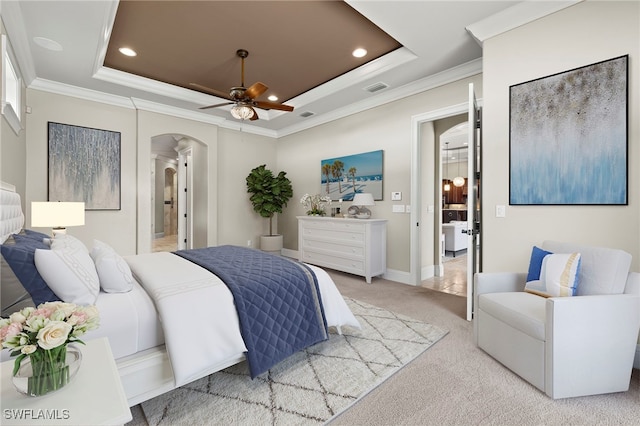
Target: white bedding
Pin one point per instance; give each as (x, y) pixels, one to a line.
(198, 314)
(129, 320)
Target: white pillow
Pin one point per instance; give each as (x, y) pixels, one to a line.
(68, 270)
(113, 271)
(558, 276)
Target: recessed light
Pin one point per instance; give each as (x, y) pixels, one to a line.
(273, 98)
(359, 52)
(127, 51)
(47, 43)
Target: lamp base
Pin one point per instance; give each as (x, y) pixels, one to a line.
(58, 231)
(363, 213)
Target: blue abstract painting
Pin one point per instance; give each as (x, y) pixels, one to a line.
(84, 165)
(568, 137)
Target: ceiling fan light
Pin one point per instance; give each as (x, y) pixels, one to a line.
(242, 112)
(458, 181)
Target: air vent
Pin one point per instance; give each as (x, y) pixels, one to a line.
(307, 114)
(376, 87)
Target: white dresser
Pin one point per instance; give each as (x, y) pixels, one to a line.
(357, 246)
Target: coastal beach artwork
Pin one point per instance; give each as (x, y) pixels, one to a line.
(84, 165)
(343, 177)
(568, 137)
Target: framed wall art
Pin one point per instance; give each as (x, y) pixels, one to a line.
(344, 177)
(568, 137)
(84, 165)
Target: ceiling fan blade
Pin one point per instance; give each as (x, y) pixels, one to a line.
(214, 92)
(217, 105)
(255, 90)
(273, 105)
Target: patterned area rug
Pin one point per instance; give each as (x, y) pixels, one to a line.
(310, 387)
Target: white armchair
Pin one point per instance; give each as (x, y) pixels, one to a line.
(564, 346)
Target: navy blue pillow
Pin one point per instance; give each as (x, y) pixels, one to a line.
(34, 234)
(20, 257)
(535, 264)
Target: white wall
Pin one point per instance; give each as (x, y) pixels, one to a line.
(585, 33)
(240, 152)
(13, 147)
(387, 127)
(115, 227)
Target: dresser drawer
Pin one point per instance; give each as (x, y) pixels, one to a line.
(345, 264)
(335, 225)
(352, 250)
(349, 245)
(330, 234)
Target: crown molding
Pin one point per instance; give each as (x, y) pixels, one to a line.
(79, 92)
(515, 16)
(457, 73)
(465, 70)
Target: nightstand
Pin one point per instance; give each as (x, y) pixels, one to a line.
(94, 397)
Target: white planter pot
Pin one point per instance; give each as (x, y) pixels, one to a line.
(271, 243)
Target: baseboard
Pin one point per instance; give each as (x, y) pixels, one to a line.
(158, 235)
(289, 253)
(636, 361)
(391, 274)
(398, 276)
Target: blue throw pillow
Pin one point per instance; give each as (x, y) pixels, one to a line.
(535, 264)
(19, 254)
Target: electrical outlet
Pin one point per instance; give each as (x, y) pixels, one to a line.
(408, 208)
(249, 243)
(501, 211)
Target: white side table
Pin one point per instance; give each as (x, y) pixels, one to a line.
(94, 397)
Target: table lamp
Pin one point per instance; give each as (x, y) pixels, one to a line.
(362, 200)
(57, 215)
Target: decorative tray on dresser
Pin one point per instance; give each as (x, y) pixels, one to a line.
(356, 246)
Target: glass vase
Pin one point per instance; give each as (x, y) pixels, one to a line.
(43, 372)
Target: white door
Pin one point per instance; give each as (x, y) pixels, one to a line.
(185, 178)
(473, 198)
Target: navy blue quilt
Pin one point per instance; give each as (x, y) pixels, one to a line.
(277, 299)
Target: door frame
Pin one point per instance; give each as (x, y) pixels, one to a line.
(415, 268)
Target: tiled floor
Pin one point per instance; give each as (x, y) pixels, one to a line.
(168, 243)
(454, 280)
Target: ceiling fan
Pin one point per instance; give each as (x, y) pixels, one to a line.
(243, 98)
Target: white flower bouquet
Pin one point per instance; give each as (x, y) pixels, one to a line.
(42, 334)
(315, 204)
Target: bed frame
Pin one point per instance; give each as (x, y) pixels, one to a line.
(145, 374)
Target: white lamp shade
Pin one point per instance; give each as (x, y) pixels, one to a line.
(56, 214)
(458, 181)
(364, 199)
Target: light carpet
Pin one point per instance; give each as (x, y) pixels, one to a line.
(310, 387)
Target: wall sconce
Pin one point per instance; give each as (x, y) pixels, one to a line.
(56, 215)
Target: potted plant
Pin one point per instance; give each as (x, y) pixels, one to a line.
(269, 194)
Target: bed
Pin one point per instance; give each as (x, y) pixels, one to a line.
(149, 304)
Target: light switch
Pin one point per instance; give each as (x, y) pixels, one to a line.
(501, 211)
(396, 196)
(408, 209)
(430, 209)
(398, 208)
